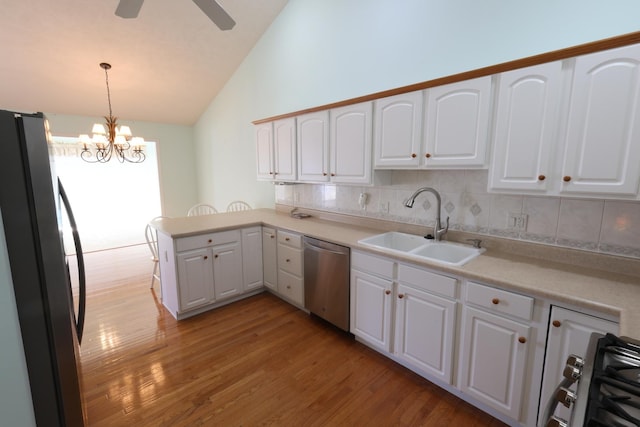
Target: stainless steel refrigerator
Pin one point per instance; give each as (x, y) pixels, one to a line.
(32, 208)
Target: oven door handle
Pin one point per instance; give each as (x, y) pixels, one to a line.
(552, 404)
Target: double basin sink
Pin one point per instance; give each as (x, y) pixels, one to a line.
(448, 253)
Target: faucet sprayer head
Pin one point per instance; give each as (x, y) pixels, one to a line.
(409, 202)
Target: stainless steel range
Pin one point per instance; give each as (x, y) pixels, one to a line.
(608, 392)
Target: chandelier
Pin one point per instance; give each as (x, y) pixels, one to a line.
(112, 140)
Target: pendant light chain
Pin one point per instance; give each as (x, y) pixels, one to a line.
(106, 78)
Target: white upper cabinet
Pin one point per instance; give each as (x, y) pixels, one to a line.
(313, 147)
(350, 144)
(456, 124)
(264, 150)
(601, 149)
(284, 146)
(398, 130)
(525, 128)
(276, 150)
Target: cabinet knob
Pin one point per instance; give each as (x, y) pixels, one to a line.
(522, 340)
(287, 260)
(541, 177)
(495, 301)
(205, 257)
(270, 173)
(324, 174)
(287, 239)
(272, 236)
(387, 292)
(566, 178)
(556, 323)
(216, 256)
(288, 287)
(209, 241)
(400, 296)
(414, 155)
(333, 174)
(427, 155)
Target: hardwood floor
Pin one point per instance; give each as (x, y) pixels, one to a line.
(259, 361)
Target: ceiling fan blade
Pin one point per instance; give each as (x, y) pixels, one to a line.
(216, 13)
(129, 8)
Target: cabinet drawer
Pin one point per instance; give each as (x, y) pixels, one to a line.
(290, 260)
(372, 264)
(291, 287)
(206, 240)
(500, 301)
(428, 281)
(290, 239)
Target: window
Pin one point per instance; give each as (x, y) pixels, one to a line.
(112, 202)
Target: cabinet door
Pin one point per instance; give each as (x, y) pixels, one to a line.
(313, 147)
(430, 349)
(525, 130)
(493, 360)
(350, 144)
(195, 278)
(456, 124)
(284, 143)
(227, 270)
(252, 258)
(269, 258)
(264, 150)
(602, 153)
(371, 299)
(569, 333)
(397, 133)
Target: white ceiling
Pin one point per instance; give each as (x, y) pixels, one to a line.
(168, 64)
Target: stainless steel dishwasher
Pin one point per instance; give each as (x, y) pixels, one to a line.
(326, 281)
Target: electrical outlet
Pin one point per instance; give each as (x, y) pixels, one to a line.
(517, 221)
(383, 207)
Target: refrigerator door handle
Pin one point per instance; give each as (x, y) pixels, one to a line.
(82, 299)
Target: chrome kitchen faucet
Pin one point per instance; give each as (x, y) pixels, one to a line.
(438, 231)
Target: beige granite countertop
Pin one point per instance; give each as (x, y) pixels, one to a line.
(596, 289)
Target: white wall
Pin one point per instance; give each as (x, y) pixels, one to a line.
(15, 393)
(319, 52)
(178, 183)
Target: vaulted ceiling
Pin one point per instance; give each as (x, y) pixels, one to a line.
(167, 64)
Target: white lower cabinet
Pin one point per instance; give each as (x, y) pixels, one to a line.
(493, 357)
(203, 271)
(270, 258)
(425, 331)
(494, 344)
(195, 275)
(252, 258)
(290, 267)
(371, 299)
(227, 270)
(569, 333)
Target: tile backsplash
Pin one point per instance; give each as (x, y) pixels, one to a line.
(605, 226)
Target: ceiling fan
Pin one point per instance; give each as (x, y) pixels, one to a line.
(211, 8)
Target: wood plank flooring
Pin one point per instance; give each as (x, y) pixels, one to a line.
(259, 361)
